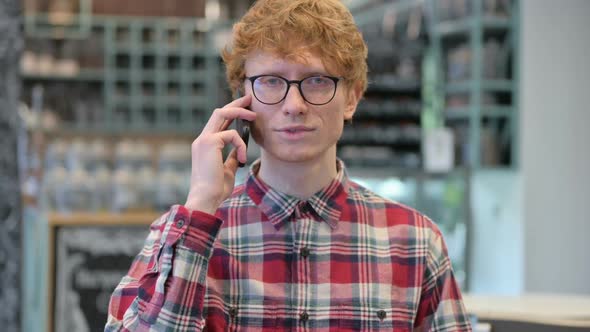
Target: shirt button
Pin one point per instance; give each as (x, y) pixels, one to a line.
(381, 314)
(304, 316)
(233, 312)
(180, 223)
(305, 252)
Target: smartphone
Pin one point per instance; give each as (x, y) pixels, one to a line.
(243, 128)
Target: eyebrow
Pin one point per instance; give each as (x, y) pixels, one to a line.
(303, 75)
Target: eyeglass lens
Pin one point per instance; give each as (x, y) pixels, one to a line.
(316, 90)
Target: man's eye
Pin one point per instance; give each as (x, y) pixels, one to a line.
(270, 81)
(318, 81)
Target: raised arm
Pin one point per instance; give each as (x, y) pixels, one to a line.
(165, 287)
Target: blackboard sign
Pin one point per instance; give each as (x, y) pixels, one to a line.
(89, 263)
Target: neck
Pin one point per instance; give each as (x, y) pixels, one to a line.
(299, 179)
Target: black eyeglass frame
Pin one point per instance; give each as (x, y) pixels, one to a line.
(298, 82)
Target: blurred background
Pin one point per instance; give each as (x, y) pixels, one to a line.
(476, 114)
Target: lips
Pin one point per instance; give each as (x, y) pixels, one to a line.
(295, 129)
(294, 133)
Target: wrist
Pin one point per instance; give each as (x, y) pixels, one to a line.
(199, 205)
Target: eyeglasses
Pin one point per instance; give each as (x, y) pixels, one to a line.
(316, 90)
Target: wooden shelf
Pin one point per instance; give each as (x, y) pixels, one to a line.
(84, 75)
(102, 218)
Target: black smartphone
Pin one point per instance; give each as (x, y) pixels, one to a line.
(243, 128)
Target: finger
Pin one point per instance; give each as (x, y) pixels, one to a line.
(240, 102)
(232, 163)
(232, 137)
(222, 117)
(225, 125)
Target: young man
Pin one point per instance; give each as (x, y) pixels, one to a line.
(298, 247)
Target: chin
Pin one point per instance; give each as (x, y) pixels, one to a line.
(294, 155)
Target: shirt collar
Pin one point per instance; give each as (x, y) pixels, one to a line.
(278, 207)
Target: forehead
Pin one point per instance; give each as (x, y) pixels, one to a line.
(259, 62)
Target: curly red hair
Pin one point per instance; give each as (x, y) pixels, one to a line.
(324, 28)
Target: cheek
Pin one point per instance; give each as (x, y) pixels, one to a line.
(257, 129)
(334, 118)
(337, 128)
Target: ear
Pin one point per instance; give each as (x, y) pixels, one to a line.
(353, 97)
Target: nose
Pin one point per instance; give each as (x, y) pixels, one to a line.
(294, 104)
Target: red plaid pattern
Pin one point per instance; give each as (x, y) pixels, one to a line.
(344, 260)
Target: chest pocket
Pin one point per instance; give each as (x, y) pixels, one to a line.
(357, 317)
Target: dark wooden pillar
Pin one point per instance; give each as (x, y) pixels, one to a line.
(11, 42)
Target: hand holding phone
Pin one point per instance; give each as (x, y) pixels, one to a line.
(212, 174)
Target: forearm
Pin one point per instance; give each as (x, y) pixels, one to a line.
(173, 262)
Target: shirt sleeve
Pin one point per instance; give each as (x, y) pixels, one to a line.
(164, 289)
(441, 306)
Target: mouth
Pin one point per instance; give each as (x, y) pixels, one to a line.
(294, 133)
(295, 129)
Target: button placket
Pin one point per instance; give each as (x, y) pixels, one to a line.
(381, 314)
(304, 317)
(304, 252)
(233, 312)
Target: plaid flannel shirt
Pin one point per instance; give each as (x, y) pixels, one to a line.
(344, 260)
